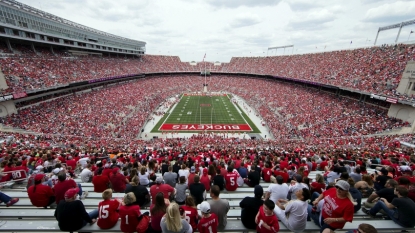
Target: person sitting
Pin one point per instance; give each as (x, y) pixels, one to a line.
(100, 182)
(71, 214)
(266, 220)
(190, 212)
(250, 207)
(197, 190)
(293, 214)
(41, 195)
(141, 193)
(118, 181)
(108, 210)
(157, 212)
(129, 213)
(209, 221)
(173, 222)
(401, 210)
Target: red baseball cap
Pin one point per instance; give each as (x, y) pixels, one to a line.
(205, 170)
(39, 177)
(71, 193)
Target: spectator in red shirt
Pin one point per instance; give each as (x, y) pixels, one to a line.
(157, 212)
(100, 182)
(118, 181)
(65, 184)
(266, 219)
(129, 213)
(166, 189)
(230, 180)
(209, 221)
(108, 210)
(41, 195)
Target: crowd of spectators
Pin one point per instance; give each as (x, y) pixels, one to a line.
(376, 69)
(292, 113)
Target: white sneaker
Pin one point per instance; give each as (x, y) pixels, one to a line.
(84, 195)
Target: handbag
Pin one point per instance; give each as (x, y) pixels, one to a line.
(144, 221)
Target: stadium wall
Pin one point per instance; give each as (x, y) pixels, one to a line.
(407, 83)
(403, 112)
(7, 108)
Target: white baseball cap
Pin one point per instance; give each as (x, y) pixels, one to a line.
(40, 167)
(205, 207)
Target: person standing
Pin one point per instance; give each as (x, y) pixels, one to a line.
(250, 207)
(293, 214)
(219, 206)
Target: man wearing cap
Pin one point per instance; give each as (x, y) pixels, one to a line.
(250, 207)
(54, 179)
(70, 213)
(166, 189)
(191, 177)
(209, 221)
(293, 214)
(41, 195)
(118, 180)
(337, 208)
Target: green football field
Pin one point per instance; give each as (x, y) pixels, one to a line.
(195, 113)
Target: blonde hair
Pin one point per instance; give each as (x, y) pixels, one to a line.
(273, 179)
(107, 194)
(135, 181)
(129, 198)
(173, 219)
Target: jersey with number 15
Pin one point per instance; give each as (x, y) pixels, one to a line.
(107, 213)
(231, 184)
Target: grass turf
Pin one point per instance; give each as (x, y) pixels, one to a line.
(205, 110)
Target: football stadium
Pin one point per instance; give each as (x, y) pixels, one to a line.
(102, 132)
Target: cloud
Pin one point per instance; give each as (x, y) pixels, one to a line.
(314, 20)
(244, 20)
(238, 3)
(303, 5)
(391, 12)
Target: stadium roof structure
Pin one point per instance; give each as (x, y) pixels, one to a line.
(393, 26)
(20, 21)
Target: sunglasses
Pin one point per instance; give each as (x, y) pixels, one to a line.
(338, 188)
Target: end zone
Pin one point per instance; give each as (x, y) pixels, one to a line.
(205, 127)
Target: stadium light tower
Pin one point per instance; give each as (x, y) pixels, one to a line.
(393, 26)
(281, 47)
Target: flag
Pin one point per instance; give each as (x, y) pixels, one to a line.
(204, 57)
(411, 32)
(325, 46)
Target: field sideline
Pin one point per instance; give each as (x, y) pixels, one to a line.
(200, 113)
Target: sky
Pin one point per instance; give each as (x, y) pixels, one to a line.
(223, 29)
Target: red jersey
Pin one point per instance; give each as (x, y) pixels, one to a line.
(39, 195)
(61, 187)
(164, 188)
(17, 174)
(335, 207)
(284, 175)
(108, 215)
(118, 182)
(191, 216)
(71, 163)
(100, 183)
(230, 179)
(266, 174)
(271, 221)
(204, 179)
(129, 217)
(208, 225)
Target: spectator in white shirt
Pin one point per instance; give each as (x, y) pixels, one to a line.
(86, 174)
